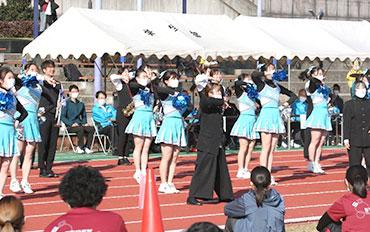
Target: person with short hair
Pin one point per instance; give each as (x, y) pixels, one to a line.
(351, 211)
(203, 227)
(104, 115)
(83, 189)
(260, 209)
(74, 117)
(11, 214)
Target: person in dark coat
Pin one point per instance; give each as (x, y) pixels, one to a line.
(356, 127)
(211, 171)
(120, 82)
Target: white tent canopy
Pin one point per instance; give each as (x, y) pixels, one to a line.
(87, 32)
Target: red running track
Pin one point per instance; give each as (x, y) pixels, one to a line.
(307, 195)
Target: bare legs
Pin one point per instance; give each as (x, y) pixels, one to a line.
(167, 167)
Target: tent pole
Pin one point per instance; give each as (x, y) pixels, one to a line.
(35, 18)
(259, 8)
(184, 6)
(139, 5)
(289, 61)
(97, 63)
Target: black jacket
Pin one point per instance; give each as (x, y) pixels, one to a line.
(356, 122)
(211, 135)
(49, 98)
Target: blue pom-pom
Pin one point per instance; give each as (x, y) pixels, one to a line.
(251, 91)
(6, 101)
(279, 75)
(29, 80)
(324, 90)
(181, 101)
(145, 96)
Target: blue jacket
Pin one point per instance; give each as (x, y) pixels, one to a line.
(74, 112)
(298, 108)
(268, 218)
(103, 115)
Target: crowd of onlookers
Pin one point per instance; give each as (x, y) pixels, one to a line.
(261, 208)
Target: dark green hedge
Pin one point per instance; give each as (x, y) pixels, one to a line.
(16, 10)
(16, 29)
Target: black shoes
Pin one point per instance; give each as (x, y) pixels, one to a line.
(46, 174)
(193, 201)
(124, 161)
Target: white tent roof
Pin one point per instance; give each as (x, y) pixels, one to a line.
(87, 32)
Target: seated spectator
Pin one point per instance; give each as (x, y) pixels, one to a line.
(336, 100)
(352, 210)
(11, 214)
(104, 115)
(74, 117)
(83, 189)
(299, 107)
(260, 209)
(203, 227)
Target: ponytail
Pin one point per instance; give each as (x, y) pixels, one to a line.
(261, 179)
(7, 227)
(260, 195)
(357, 177)
(11, 214)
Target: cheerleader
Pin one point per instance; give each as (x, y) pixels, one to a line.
(8, 122)
(29, 94)
(319, 119)
(211, 172)
(142, 125)
(171, 135)
(269, 122)
(243, 127)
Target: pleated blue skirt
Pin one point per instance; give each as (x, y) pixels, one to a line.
(269, 121)
(244, 127)
(172, 132)
(8, 141)
(142, 124)
(30, 129)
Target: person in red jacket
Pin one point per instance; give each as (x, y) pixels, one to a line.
(83, 188)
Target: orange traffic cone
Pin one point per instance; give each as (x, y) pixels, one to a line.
(151, 218)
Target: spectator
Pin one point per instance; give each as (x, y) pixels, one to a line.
(204, 227)
(11, 214)
(336, 101)
(83, 189)
(259, 209)
(48, 14)
(231, 113)
(352, 209)
(104, 115)
(299, 108)
(74, 117)
(356, 69)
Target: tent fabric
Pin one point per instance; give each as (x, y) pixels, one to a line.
(87, 32)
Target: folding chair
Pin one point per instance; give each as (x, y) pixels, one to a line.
(64, 131)
(101, 138)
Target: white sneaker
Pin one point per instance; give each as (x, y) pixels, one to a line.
(240, 174)
(310, 166)
(247, 174)
(2, 196)
(26, 187)
(318, 169)
(284, 145)
(14, 186)
(273, 182)
(88, 151)
(173, 188)
(164, 188)
(137, 176)
(79, 150)
(295, 145)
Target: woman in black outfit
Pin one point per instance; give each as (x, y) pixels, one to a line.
(211, 171)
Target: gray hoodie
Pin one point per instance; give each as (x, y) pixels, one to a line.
(267, 218)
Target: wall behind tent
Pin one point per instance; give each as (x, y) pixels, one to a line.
(333, 9)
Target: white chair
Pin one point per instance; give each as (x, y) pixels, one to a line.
(65, 133)
(103, 139)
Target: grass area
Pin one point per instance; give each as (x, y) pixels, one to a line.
(304, 227)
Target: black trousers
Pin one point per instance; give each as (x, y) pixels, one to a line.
(47, 147)
(111, 132)
(82, 133)
(211, 174)
(307, 141)
(122, 137)
(298, 135)
(355, 155)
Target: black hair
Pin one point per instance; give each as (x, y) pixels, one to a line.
(168, 74)
(4, 71)
(307, 73)
(73, 87)
(28, 65)
(336, 86)
(122, 70)
(83, 186)
(228, 92)
(100, 92)
(242, 76)
(139, 71)
(203, 227)
(211, 87)
(47, 63)
(261, 179)
(357, 176)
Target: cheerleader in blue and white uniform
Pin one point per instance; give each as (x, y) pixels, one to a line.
(269, 122)
(142, 125)
(9, 106)
(171, 135)
(246, 92)
(319, 119)
(29, 90)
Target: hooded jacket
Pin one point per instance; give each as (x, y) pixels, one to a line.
(267, 218)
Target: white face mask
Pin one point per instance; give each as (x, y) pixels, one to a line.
(217, 96)
(173, 83)
(74, 95)
(9, 83)
(336, 92)
(302, 99)
(101, 102)
(360, 93)
(143, 82)
(320, 77)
